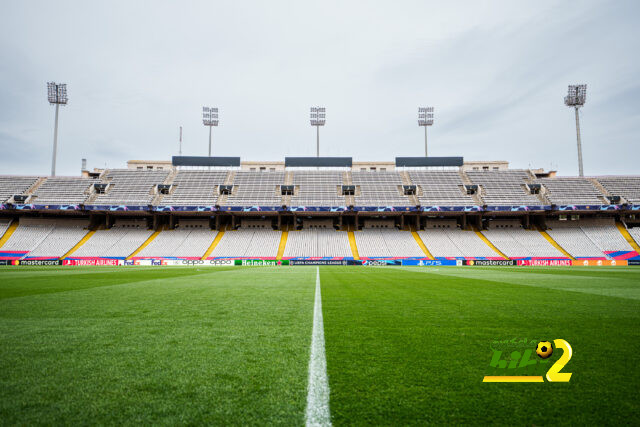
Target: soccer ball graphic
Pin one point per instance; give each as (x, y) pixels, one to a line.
(544, 349)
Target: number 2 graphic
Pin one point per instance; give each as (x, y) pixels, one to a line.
(554, 374)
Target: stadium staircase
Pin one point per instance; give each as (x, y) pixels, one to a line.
(79, 244)
(354, 246)
(555, 244)
(146, 243)
(600, 188)
(157, 200)
(476, 197)
(488, 243)
(420, 243)
(213, 244)
(625, 233)
(7, 234)
(283, 243)
(35, 186)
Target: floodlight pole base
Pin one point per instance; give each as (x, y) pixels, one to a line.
(580, 169)
(55, 142)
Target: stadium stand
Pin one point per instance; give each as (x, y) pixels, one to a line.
(12, 185)
(604, 233)
(635, 234)
(244, 243)
(570, 236)
(318, 189)
(46, 238)
(624, 186)
(118, 242)
(62, 191)
(183, 242)
(195, 187)
(517, 242)
(504, 188)
(440, 188)
(386, 243)
(379, 189)
(317, 242)
(130, 187)
(256, 189)
(572, 191)
(4, 225)
(455, 243)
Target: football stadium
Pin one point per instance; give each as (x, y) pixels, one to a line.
(319, 290)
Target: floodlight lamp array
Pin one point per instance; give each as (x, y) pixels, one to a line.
(576, 96)
(57, 93)
(210, 116)
(425, 116)
(318, 116)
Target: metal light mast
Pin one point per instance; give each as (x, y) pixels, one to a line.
(425, 119)
(576, 98)
(57, 94)
(180, 146)
(318, 118)
(210, 118)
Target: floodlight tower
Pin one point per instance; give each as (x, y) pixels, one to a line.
(576, 98)
(318, 118)
(210, 118)
(57, 94)
(425, 119)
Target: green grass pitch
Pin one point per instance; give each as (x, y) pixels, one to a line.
(404, 345)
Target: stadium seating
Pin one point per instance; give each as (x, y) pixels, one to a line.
(455, 243)
(62, 191)
(504, 188)
(317, 242)
(318, 189)
(441, 188)
(572, 191)
(379, 189)
(624, 186)
(386, 243)
(256, 189)
(569, 235)
(181, 242)
(194, 188)
(12, 185)
(517, 242)
(130, 187)
(118, 242)
(245, 243)
(47, 238)
(4, 225)
(635, 234)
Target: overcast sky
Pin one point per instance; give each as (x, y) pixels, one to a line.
(496, 72)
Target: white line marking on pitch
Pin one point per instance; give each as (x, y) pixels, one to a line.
(317, 413)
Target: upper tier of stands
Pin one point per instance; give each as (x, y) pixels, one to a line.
(441, 188)
(195, 187)
(502, 188)
(379, 189)
(256, 188)
(12, 185)
(321, 188)
(62, 191)
(130, 187)
(572, 191)
(625, 186)
(318, 189)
